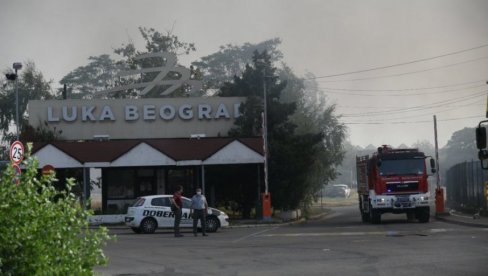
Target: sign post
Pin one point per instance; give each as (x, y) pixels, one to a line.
(18, 171)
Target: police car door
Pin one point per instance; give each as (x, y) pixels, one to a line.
(163, 214)
(186, 219)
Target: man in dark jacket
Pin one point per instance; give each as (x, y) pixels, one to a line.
(178, 206)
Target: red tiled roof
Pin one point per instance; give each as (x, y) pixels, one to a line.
(176, 148)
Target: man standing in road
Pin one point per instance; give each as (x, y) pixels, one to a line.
(198, 210)
(176, 207)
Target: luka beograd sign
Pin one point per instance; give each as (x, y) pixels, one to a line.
(142, 118)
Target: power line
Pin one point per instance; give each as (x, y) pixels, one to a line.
(474, 103)
(406, 73)
(417, 108)
(411, 122)
(400, 64)
(433, 112)
(343, 92)
(406, 89)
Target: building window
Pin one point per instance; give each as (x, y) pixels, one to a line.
(181, 176)
(121, 183)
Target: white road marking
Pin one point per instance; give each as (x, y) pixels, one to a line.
(254, 234)
(325, 234)
(438, 230)
(390, 233)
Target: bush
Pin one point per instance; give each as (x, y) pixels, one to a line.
(44, 231)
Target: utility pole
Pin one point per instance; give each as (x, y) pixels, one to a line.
(438, 179)
(439, 192)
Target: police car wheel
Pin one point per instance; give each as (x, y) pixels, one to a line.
(148, 225)
(212, 224)
(136, 230)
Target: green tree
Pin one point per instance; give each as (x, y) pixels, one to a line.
(48, 232)
(101, 72)
(231, 60)
(291, 156)
(314, 115)
(425, 146)
(460, 148)
(31, 86)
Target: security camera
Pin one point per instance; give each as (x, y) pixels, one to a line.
(17, 65)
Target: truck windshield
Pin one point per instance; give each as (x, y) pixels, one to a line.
(402, 167)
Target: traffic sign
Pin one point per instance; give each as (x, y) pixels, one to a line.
(47, 169)
(17, 152)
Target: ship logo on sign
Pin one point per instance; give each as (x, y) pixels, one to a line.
(167, 77)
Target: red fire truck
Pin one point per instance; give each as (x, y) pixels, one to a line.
(393, 181)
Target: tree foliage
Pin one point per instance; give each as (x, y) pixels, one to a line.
(460, 148)
(101, 73)
(296, 158)
(231, 60)
(31, 86)
(45, 231)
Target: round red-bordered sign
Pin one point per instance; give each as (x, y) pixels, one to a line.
(47, 169)
(17, 152)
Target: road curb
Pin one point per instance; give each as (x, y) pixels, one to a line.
(460, 222)
(267, 224)
(257, 225)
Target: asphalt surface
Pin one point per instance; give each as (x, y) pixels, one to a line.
(337, 244)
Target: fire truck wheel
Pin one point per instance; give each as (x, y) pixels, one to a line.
(423, 215)
(364, 217)
(375, 216)
(410, 216)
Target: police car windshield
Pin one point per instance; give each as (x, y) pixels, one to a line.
(402, 167)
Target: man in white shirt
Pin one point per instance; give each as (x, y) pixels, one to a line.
(198, 210)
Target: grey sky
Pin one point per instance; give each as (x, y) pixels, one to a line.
(321, 37)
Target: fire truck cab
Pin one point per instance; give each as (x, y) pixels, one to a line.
(393, 181)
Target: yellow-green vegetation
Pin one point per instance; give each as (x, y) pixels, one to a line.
(337, 201)
(45, 231)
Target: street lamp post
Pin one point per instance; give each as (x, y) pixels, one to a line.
(14, 77)
(17, 66)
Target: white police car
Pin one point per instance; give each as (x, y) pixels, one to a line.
(151, 212)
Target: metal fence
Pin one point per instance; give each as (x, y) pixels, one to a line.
(465, 184)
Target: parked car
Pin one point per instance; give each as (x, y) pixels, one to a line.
(151, 212)
(338, 190)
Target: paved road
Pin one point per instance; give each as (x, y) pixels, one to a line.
(335, 245)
